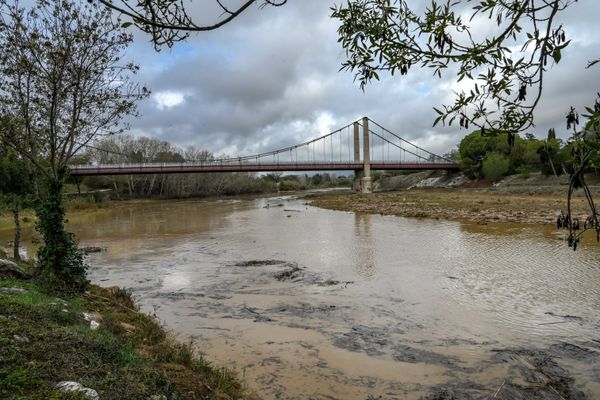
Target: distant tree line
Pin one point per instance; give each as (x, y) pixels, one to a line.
(128, 149)
(483, 156)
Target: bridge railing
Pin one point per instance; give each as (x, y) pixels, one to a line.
(318, 151)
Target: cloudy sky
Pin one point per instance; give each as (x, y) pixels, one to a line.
(271, 79)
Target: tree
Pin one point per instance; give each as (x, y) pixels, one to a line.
(504, 71)
(169, 21)
(63, 84)
(15, 189)
(495, 166)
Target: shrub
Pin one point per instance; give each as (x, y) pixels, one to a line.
(495, 165)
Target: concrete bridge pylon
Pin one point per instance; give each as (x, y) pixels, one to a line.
(362, 177)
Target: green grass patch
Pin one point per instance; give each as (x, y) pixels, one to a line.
(45, 340)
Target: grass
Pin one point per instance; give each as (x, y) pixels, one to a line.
(129, 357)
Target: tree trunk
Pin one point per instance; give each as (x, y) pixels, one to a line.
(16, 244)
(550, 161)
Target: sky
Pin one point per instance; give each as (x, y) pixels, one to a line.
(271, 78)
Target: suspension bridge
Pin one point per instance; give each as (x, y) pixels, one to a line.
(346, 148)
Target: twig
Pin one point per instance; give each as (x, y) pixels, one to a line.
(500, 388)
(556, 391)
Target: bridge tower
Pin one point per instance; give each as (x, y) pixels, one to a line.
(362, 177)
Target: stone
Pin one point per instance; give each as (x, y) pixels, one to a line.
(9, 269)
(128, 327)
(13, 290)
(94, 325)
(21, 339)
(157, 397)
(92, 249)
(92, 316)
(70, 386)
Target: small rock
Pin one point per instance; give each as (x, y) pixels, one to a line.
(127, 327)
(13, 290)
(92, 316)
(92, 249)
(21, 339)
(69, 386)
(94, 325)
(9, 269)
(65, 310)
(157, 397)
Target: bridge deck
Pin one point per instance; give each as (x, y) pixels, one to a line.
(142, 169)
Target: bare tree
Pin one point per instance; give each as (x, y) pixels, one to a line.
(64, 83)
(64, 78)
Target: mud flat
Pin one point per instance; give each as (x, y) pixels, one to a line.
(455, 204)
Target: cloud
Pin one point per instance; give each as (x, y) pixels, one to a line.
(167, 99)
(271, 79)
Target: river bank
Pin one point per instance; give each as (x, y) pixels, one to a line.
(460, 204)
(100, 341)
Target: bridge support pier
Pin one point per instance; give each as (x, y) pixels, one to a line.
(362, 177)
(366, 179)
(358, 173)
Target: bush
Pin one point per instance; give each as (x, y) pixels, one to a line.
(288, 186)
(495, 165)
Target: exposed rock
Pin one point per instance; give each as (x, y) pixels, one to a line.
(69, 386)
(92, 316)
(258, 263)
(288, 274)
(9, 269)
(127, 327)
(13, 290)
(92, 249)
(21, 339)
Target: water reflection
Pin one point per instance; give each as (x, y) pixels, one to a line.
(363, 249)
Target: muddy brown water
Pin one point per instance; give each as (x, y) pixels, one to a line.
(307, 303)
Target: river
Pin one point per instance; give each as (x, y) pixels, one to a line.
(307, 303)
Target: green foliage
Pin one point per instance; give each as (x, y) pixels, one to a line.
(14, 182)
(288, 185)
(394, 36)
(495, 166)
(523, 156)
(61, 262)
(472, 150)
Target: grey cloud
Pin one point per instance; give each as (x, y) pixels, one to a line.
(263, 81)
